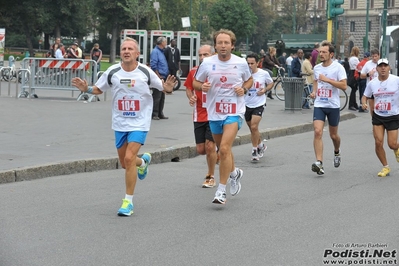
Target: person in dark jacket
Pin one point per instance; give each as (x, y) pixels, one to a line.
(296, 64)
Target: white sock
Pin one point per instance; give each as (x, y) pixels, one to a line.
(129, 198)
(142, 163)
(222, 187)
(254, 148)
(234, 173)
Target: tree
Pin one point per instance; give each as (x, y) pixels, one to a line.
(298, 9)
(138, 9)
(235, 15)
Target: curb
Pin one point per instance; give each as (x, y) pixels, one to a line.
(183, 151)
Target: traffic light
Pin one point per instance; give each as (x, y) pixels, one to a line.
(334, 8)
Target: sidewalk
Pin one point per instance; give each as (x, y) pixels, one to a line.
(56, 135)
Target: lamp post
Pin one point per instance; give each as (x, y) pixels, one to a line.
(156, 6)
(294, 19)
(366, 41)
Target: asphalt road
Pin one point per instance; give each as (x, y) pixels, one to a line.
(285, 215)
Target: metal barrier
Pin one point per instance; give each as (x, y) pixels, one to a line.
(56, 74)
(1, 77)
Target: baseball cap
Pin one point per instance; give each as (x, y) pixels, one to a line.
(366, 54)
(382, 61)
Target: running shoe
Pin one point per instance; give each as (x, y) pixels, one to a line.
(209, 182)
(337, 159)
(255, 156)
(142, 171)
(235, 182)
(318, 168)
(126, 208)
(384, 172)
(397, 155)
(261, 151)
(220, 197)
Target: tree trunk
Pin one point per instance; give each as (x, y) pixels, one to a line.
(28, 41)
(115, 30)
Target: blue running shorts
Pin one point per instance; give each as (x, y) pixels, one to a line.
(332, 114)
(217, 126)
(132, 136)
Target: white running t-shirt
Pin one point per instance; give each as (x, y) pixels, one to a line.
(370, 65)
(261, 79)
(131, 96)
(327, 95)
(224, 76)
(386, 95)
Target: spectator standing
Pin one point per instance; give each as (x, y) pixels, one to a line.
(308, 70)
(296, 65)
(282, 59)
(160, 66)
(172, 54)
(96, 55)
(225, 104)
(205, 143)
(352, 82)
(79, 51)
(58, 52)
(315, 54)
(361, 82)
(131, 112)
(288, 62)
(71, 51)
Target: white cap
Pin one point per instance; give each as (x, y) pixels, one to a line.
(382, 61)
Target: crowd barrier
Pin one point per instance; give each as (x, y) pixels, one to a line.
(56, 74)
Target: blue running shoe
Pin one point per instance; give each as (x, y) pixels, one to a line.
(143, 170)
(126, 208)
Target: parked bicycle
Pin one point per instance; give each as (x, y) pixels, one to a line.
(278, 87)
(9, 74)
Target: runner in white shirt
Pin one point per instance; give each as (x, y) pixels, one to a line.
(385, 89)
(369, 72)
(228, 78)
(329, 78)
(130, 83)
(255, 100)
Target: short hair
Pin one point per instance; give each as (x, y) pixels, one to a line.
(316, 45)
(211, 48)
(308, 55)
(374, 51)
(331, 48)
(233, 38)
(128, 39)
(161, 40)
(253, 55)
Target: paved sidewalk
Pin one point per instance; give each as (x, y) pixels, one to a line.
(56, 135)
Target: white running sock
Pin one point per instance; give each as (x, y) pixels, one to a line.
(129, 198)
(234, 174)
(222, 187)
(142, 163)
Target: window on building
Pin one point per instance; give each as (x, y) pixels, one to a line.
(371, 4)
(391, 3)
(352, 26)
(369, 25)
(353, 4)
(321, 4)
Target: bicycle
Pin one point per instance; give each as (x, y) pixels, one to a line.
(279, 84)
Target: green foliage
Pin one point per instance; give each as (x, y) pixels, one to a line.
(235, 15)
(136, 9)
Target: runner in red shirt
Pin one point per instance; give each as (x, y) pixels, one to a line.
(203, 135)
